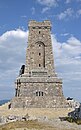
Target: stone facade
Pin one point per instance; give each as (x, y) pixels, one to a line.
(39, 85)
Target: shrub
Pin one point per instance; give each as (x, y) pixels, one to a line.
(71, 120)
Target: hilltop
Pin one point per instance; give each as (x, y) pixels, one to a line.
(37, 119)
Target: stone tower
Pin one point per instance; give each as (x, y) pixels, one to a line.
(38, 85)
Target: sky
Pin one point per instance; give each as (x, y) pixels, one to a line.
(65, 16)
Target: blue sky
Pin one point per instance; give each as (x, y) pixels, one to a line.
(65, 16)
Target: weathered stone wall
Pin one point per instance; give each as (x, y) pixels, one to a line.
(39, 102)
(39, 86)
(39, 41)
(48, 89)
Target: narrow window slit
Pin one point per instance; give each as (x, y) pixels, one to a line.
(36, 93)
(39, 93)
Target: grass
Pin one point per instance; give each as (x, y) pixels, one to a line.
(27, 124)
(35, 125)
(72, 120)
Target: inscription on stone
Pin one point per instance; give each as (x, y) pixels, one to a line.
(40, 73)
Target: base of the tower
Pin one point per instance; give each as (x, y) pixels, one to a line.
(39, 102)
(39, 92)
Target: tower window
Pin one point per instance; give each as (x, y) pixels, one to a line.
(39, 32)
(39, 65)
(39, 93)
(39, 54)
(33, 27)
(42, 93)
(36, 93)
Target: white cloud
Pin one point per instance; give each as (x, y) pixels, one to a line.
(33, 10)
(74, 42)
(48, 3)
(64, 34)
(66, 14)
(23, 16)
(79, 12)
(12, 45)
(12, 56)
(45, 9)
(72, 47)
(68, 64)
(68, 52)
(68, 1)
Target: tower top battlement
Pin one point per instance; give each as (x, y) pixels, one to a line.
(45, 23)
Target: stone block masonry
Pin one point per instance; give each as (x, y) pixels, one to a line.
(38, 86)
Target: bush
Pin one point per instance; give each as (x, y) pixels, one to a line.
(71, 120)
(78, 121)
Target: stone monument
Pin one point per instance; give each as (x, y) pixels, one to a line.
(37, 85)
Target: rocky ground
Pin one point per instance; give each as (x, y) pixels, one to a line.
(35, 119)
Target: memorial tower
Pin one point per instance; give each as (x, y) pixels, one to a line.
(38, 85)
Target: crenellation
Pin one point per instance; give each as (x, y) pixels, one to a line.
(39, 25)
